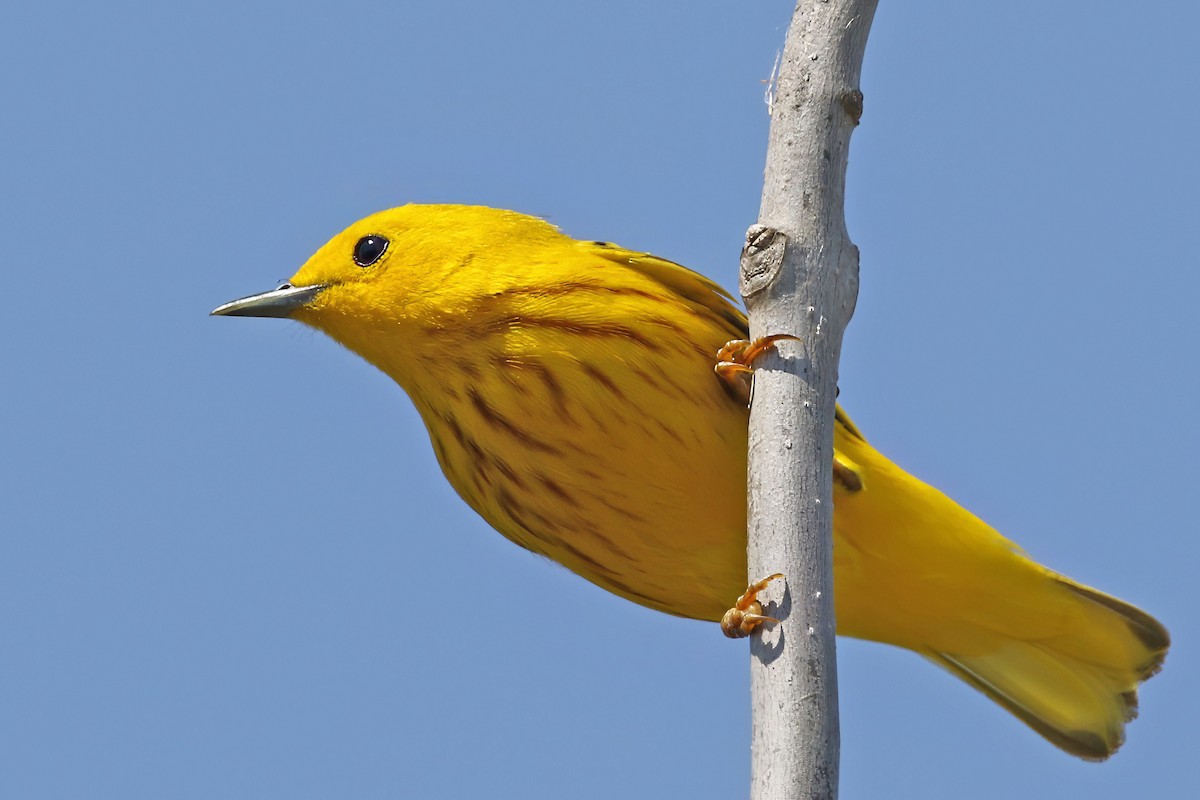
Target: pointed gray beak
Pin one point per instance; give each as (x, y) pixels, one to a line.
(279, 302)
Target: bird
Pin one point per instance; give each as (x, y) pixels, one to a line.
(575, 399)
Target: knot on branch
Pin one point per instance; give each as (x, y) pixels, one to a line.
(852, 102)
(762, 259)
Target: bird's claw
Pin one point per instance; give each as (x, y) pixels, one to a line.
(735, 361)
(746, 615)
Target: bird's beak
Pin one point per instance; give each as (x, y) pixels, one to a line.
(279, 302)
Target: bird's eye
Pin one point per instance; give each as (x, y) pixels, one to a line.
(369, 249)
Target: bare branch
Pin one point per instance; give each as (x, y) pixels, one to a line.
(800, 276)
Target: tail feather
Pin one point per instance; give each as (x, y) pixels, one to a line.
(1149, 632)
(916, 569)
(1077, 689)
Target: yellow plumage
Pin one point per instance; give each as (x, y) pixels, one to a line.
(569, 393)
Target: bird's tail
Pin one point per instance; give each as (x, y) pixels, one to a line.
(1077, 688)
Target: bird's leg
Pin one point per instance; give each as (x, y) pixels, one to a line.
(746, 614)
(735, 362)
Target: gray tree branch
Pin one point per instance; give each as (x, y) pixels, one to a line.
(799, 275)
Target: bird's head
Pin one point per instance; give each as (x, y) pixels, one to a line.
(400, 274)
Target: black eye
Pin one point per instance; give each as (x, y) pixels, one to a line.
(369, 249)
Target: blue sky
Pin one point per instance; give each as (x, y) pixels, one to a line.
(229, 566)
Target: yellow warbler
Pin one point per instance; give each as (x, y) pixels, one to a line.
(569, 392)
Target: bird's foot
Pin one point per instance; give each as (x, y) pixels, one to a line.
(746, 614)
(735, 362)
